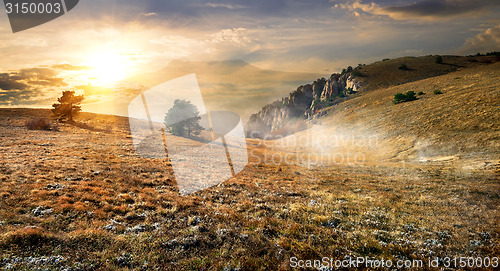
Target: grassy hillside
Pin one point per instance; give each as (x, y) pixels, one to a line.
(387, 73)
(459, 124)
(280, 117)
(82, 198)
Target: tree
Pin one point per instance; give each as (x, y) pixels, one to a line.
(183, 119)
(68, 106)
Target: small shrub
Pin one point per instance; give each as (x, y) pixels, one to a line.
(420, 93)
(493, 53)
(401, 98)
(29, 238)
(348, 70)
(410, 96)
(40, 124)
(437, 92)
(439, 59)
(403, 67)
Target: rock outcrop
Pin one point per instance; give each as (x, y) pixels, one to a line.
(305, 102)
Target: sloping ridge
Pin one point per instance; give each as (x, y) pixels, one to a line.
(313, 100)
(463, 123)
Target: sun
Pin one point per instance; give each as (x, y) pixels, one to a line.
(108, 67)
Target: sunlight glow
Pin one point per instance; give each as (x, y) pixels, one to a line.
(108, 67)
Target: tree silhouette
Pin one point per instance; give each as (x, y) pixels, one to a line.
(183, 119)
(68, 106)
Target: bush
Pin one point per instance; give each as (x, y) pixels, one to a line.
(401, 98)
(403, 67)
(410, 96)
(348, 70)
(421, 93)
(40, 124)
(437, 92)
(439, 59)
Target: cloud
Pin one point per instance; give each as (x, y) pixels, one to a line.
(176, 46)
(485, 42)
(33, 76)
(237, 36)
(228, 6)
(28, 86)
(19, 97)
(69, 67)
(427, 9)
(9, 83)
(29, 42)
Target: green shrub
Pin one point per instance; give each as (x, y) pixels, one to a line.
(420, 93)
(439, 59)
(411, 95)
(437, 91)
(401, 98)
(348, 70)
(403, 67)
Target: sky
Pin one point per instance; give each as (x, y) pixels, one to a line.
(100, 43)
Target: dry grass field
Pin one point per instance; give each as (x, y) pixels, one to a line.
(79, 198)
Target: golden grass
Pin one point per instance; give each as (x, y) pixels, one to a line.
(112, 210)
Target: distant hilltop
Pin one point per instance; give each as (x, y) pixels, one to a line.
(311, 101)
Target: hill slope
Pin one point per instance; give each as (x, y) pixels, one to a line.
(312, 100)
(462, 124)
(81, 197)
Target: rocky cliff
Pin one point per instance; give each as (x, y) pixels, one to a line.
(305, 102)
